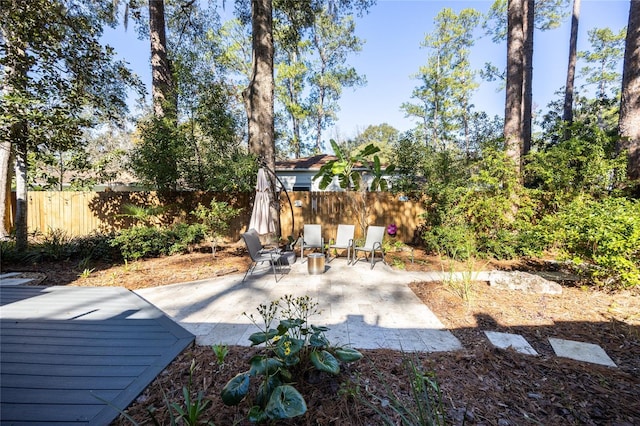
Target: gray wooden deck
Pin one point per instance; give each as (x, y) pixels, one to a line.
(63, 349)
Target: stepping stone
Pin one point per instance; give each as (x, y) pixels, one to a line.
(14, 281)
(587, 352)
(9, 275)
(508, 340)
(8, 278)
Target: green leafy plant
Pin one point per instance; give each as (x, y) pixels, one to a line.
(191, 409)
(602, 235)
(221, 352)
(215, 219)
(188, 412)
(148, 241)
(291, 348)
(86, 272)
(142, 215)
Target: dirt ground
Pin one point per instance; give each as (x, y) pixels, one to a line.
(480, 385)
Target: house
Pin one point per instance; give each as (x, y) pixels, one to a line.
(297, 174)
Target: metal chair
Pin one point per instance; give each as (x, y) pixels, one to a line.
(259, 255)
(263, 248)
(311, 239)
(344, 240)
(373, 242)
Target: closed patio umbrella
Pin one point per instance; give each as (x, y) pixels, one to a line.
(261, 215)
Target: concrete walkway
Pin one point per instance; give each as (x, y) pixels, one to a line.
(364, 308)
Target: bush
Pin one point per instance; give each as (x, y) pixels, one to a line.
(215, 219)
(147, 241)
(456, 241)
(58, 245)
(605, 234)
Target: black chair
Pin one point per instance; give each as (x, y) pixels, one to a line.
(259, 255)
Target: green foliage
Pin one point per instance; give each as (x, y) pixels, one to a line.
(58, 245)
(155, 159)
(147, 241)
(221, 352)
(479, 215)
(447, 82)
(587, 163)
(142, 214)
(346, 165)
(291, 348)
(215, 219)
(603, 61)
(191, 409)
(454, 241)
(602, 235)
(382, 136)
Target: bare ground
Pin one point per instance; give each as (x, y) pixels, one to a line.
(480, 385)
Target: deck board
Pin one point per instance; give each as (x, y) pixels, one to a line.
(64, 349)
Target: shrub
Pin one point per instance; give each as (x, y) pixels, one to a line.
(59, 245)
(215, 219)
(185, 236)
(455, 241)
(605, 234)
(147, 241)
(293, 347)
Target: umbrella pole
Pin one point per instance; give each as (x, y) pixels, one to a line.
(273, 173)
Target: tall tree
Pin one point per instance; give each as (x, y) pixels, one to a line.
(528, 23)
(332, 37)
(54, 68)
(162, 88)
(630, 98)
(567, 114)
(603, 60)
(540, 14)
(258, 96)
(515, 64)
(447, 80)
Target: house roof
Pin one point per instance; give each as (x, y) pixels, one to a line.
(307, 163)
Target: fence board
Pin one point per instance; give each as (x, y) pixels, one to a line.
(84, 213)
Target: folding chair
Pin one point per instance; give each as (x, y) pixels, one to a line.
(344, 240)
(311, 239)
(373, 242)
(259, 255)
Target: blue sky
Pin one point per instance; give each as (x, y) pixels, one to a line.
(393, 31)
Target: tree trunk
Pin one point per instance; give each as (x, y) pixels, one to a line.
(6, 158)
(527, 79)
(21, 193)
(260, 93)
(567, 115)
(15, 81)
(515, 65)
(161, 79)
(630, 100)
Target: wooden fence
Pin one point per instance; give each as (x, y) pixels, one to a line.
(84, 213)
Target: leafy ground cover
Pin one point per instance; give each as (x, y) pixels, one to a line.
(478, 385)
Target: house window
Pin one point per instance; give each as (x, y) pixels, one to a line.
(301, 188)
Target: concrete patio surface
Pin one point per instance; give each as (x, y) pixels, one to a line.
(364, 308)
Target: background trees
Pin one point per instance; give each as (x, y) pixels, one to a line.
(447, 81)
(57, 79)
